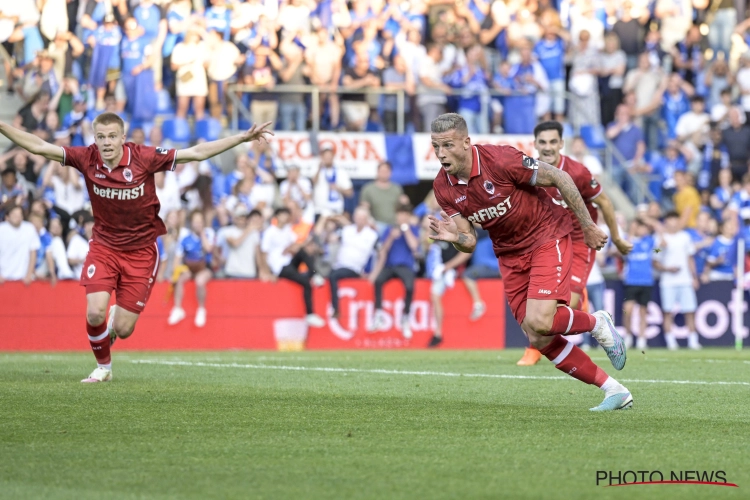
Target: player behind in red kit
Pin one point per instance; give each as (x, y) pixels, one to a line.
(123, 256)
(498, 188)
(549, 143)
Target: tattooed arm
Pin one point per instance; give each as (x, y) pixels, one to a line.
(549, 176)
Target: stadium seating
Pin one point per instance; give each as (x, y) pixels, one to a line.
(208, 129)
(593, 136)
(177, 130)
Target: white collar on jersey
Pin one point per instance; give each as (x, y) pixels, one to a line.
(119, 164)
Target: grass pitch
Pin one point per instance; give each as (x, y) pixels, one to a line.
(365, 425)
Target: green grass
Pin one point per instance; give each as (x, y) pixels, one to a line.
(192, 431)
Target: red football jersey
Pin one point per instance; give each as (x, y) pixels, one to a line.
(124, 202)
(519, 217)
(586, 184)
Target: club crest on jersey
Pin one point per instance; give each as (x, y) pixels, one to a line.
(90, 271)
(162, 151)
(489, 187)
(128, 174)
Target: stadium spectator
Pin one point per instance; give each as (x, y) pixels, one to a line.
(354, 105)
(241, 241)
(721, 258)
(189, 60)
(19, 243)
(223, 60)
(12, 191)
(398, 246)
(397, 77)
(324, 69)
(442, 264)
(743, 82)
(720, 109)
(638, 278)
(716, 79)
(431, 92)
(68, 188)
(192, 260)
(694, 121)
(579, 152)
(687, 201)
(40, 77)
(629, 29)
(740, 201)
(678, 281)
(585, 108)
(676, 102)
(282, 257)
(703, 235)
(105, 40)
(736, 138)
(330, 185)
(299, 189)
(357, 243)
(483, 265)
(78, 245)
(382, 196)
(263, 73)
(687, 55)
(627, 139)
(612, 66)
(292, 109)
(58, 267)
(550, 52)
(648, 85)
(32, 115)
(529, 83)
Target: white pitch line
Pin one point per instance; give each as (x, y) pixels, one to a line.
(383, 371)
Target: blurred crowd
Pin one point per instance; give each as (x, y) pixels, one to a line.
(667, 81)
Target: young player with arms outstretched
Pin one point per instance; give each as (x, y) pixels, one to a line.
(123, 256)
(498, 188)
(549, 143)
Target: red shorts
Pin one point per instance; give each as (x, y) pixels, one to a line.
(130, 274)
(583, 261)
(542, 274)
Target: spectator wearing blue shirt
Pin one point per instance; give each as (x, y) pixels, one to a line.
(219, 18)
(192, 260)
(106, 41)
(473, 82)
(638, 278)
(675, 103)
(664, 168)
(703, 235)
(740, 202)
(503, 84)
(150, 17)
(715, 159)
(723, 193)
(722, 256)
(137, 76)
(398, 244)
(483, 265)
(628, 141)
(550, 52)
(529, 79)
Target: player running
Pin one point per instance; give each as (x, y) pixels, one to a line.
(549, 143)
(497, 187)
(123, 256)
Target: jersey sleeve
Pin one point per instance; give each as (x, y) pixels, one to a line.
(506, 162)
(444, 202)
(158, 159)
(586, 184)
(76, 157)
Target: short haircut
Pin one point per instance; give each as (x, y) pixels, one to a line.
(108, 118)
(671, 215)
(697, 98)
(255, 212)
(281, 210)
(447, 122)
(548, 125)
(11, 207)
(404, 208)
(195, 212)
(385, 163)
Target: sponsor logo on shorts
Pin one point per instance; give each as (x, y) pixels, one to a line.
(100, 176)
(489, 187)
(559, 269)
(128, 174)
(460, 199)
(140, 304)
(544, 292)
(120, 194)
(90, 271)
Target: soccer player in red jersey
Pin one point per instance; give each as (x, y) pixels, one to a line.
(549, 143)
(123, 256)
(498, 187)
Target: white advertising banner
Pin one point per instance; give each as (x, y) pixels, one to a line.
(357, 153)
(428, 166)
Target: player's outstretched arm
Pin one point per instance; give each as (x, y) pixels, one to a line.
(608, 211)
(456, 230)
(207, 150)
(548, 176)
(32, 143)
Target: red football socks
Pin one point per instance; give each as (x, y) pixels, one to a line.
(568, 358)
(569, 322)
(99, 340)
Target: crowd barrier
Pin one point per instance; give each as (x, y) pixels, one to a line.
(714, 318)
(411, 156)
(250, 315)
